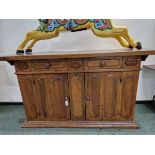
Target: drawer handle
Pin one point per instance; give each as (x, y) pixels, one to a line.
(47, 65)
(103, 63)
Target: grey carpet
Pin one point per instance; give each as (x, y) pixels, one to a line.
(11, 117)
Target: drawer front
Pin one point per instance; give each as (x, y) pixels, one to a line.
(22, 66)
(48, 65)
(131, 62)
(103, 63)
(75, 64)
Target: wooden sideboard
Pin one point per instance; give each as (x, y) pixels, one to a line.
(79, 89)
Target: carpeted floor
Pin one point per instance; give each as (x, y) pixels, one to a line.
(12, 115)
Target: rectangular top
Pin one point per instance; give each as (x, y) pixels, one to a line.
(79, 54)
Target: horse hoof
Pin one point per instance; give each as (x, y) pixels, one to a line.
(20, 52)
(139, 45)
(130, 47)
(28, 51)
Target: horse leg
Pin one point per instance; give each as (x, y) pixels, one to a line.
(23, 44)
(28, 50)
(123, 42)
(36, 36)
(117, 33)
(109, 33)
(29, 36)
(41, 36)
(123, 32)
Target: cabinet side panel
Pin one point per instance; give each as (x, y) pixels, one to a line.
(76, 89)
(28, 95)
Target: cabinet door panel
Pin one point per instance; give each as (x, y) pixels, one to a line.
(111, 92)
(130, 81)
(51, 92)
(93, 96)
(28, 95)
(76, 87)
(44, 97)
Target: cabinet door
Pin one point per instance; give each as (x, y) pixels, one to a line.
(119, 95)
(93, 96)
(111, 95)
(130, 82)
(76, 89)
(29, 98)
(52, 95)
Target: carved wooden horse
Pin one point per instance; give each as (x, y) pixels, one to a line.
(50, 28)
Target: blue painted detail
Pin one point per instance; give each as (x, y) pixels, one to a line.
(74, 25)
(70, 24)
(99, 23)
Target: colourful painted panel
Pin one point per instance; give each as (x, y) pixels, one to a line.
(48, 25)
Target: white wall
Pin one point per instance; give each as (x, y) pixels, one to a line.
(12, 32)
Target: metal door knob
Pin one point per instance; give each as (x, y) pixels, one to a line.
(66, 101)
(88, 98)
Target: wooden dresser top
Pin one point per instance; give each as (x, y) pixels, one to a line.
(79, 54)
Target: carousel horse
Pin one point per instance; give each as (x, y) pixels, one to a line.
(50, 28)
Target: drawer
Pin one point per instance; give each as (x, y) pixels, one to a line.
(44, 65)
(75, 64)
(22, 66)
(131, 62)
(103, 63)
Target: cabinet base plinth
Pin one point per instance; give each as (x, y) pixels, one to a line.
(79, 124)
